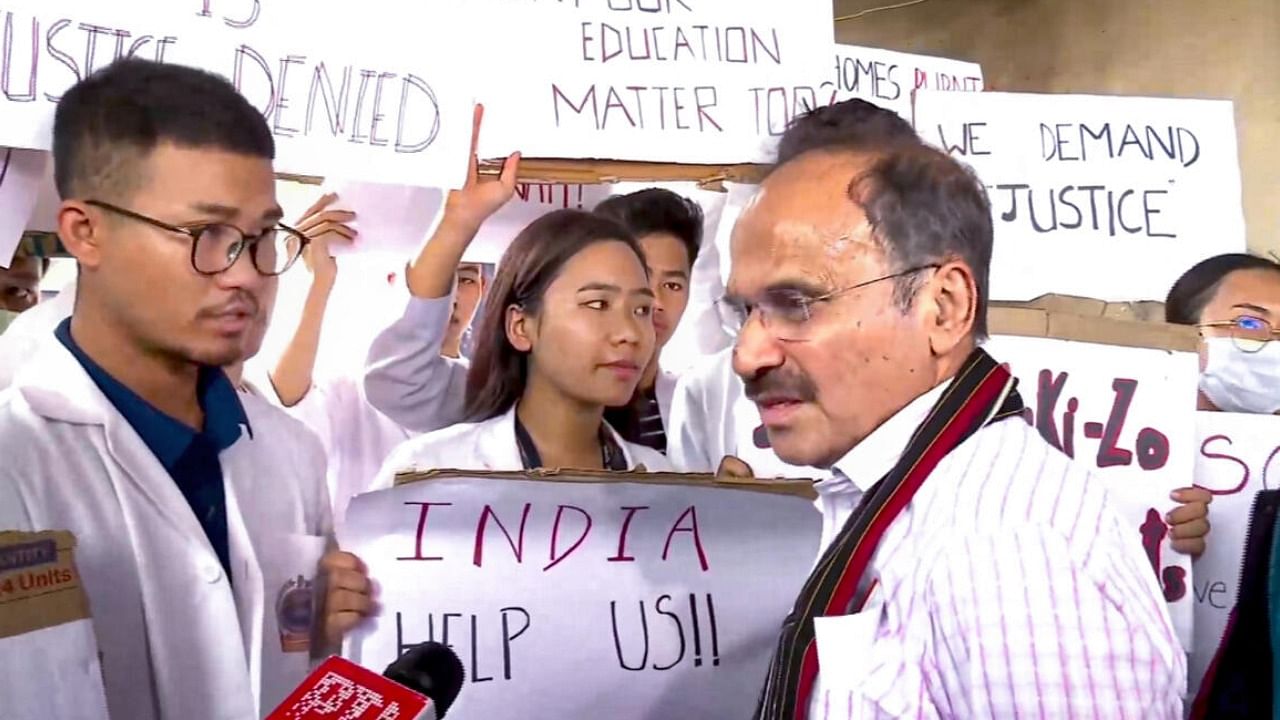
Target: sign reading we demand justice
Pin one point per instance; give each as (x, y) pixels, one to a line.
(1104, 197)
(585, 599)
(363, 92)
(694, 81)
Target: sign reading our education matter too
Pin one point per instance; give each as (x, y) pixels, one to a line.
(1128, 415)
(694, 81)
(575, 599)
(394, 110)
(1236, 456)
(1104, 197)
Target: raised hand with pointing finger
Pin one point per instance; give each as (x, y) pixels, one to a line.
(481, 196)
(431, 274)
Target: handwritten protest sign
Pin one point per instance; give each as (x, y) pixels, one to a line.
(1105, 197)
(567, 598)
(21, 174)
(531, 201)
(1127, 414)
(888, 78)
(394, 110)
(710, 81)
(1236, 457)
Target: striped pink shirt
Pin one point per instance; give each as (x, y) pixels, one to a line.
(1008, 588)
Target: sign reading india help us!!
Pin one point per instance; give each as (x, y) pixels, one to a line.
(1128, 415)
(1086, 190)
(565, 599)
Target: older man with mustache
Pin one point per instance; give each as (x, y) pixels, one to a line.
(970, 569)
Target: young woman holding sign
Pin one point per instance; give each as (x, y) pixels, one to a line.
(566, 331)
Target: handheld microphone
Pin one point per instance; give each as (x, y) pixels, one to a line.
(420, 685)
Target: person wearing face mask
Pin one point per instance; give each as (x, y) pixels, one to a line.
(566, 332)
(1234, 300)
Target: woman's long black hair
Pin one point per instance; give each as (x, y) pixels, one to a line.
(534, 259)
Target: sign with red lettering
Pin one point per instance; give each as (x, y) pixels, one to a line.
(695, 81)
(1128, 414)
(1084, 189)
(663, 600)
(1236, 456)
(394, 110)
(341, 690)
(889, 79)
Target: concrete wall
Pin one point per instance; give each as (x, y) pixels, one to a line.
(1189, 48)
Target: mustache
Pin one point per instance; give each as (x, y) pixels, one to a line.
(241, 299)
(782, 383)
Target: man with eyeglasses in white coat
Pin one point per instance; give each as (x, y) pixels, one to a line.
(200, 512)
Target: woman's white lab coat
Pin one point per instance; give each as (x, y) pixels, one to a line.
(176, 640)
(488, 445)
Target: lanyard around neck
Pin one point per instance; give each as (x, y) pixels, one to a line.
(612, 457)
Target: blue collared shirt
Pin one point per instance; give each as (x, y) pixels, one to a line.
(189, 456)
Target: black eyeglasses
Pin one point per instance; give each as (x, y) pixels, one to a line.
(786, 313)
(215, 247)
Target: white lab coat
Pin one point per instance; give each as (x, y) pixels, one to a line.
(407, 379)
(356, 437)
(31, 329)
(711, 418)
(488, 445)
(176, 640)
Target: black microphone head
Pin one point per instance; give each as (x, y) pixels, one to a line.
(431, 669)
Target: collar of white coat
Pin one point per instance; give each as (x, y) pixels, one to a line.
(864, 465)
(496, 439)
(57, 387)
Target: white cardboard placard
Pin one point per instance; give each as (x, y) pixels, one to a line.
(693, 81)
(22, 174)
(672, 610)
(889, 78)
(1104, 197)
(1235, 458)
(390, 110)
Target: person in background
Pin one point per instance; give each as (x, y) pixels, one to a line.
(415, 374)
(469, 284)
(669, 229)
(969, 557)
(195, 507)
(20, 286)
(566, 332)
(356, 437)
(1234, 300)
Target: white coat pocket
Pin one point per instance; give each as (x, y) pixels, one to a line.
(290, 564)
